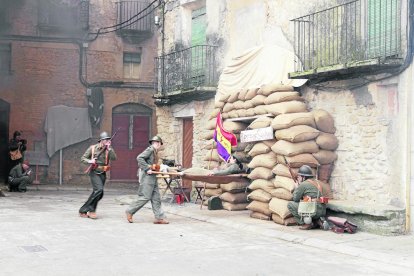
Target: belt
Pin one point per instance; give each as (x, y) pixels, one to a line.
(103, 168)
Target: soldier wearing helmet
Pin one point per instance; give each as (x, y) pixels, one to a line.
(98, 158)
(148, 189)
(306, 187)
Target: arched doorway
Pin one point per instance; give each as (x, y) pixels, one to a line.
(133, 122)
(4, 139)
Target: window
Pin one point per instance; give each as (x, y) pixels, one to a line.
(132, 65)
(5, 59)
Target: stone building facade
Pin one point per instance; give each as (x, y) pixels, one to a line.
(373, 119)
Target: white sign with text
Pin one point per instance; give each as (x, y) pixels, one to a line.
(259, 134)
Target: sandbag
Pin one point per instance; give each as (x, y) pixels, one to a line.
(249, 112)
(238, 104)
(234, 206)
(260, 122)
(212, 155)
(292, 119)
(260, 110)
(213, 192)
(327, 141)
(259, 195)
(286, 148)
(258, 215)
(228, 107)
(242, 94)
(282, 170)
(282, 193)
(234, 127)
(263, 184)
(234, 186)
(299, 160)
(267, 160)
(258, 100)
(259, 148)
(295, 134)
(225, 97)
(279, 207)
(234, 198)
(286, 107)
(233, 96)
(251, 93)
(277, 219)
(284, 182)
(219, 104)
(268, 89)
(242, 156)
(214, 113)
(260, 173)
(279, 97)
(325, 156)
(261, 207)
(324, 121)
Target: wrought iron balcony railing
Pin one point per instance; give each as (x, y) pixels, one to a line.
(353, 34)
(135, 18)
(187, 69)
(58, 16)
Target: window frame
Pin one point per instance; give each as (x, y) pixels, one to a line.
(129, 60)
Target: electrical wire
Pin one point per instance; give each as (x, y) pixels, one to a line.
(122, 25)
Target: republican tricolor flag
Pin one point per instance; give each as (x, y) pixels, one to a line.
(224, 139)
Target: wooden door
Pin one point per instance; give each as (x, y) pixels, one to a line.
(187, 148)
(131, 139)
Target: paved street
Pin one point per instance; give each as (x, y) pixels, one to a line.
(41, 234)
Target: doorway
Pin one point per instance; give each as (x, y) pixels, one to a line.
(133, 125)
(187, 148)
(4, 139)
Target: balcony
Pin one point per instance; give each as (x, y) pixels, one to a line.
(358, 37)
(135, 20)
(186, 75)
(63, 17)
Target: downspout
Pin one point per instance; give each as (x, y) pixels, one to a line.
(409, 119)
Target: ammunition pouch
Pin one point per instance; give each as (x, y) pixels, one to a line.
(103, 168)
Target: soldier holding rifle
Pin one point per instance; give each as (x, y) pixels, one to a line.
(148, 186)
(98, 158)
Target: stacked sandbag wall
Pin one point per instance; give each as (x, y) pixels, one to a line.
(233, 195)
(301, 137)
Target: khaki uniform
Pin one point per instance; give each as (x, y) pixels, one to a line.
(19, 179)
(97, 176)
(231, 169)
(306, 189)
(148, 185)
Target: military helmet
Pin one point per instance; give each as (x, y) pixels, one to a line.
(104, 136)
(305, 170)
(156, 138)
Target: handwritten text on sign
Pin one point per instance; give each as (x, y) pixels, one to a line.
(259, 134)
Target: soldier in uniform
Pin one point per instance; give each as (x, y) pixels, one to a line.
(20, 177)
(148, 186)
(98, 157)
(234, 166)
(306, 188)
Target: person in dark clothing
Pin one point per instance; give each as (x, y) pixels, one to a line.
(234, 166)
(17, 148)
(98, 157)
(20, 177)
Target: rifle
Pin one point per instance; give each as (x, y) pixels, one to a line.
(292, 174)
(94, 165)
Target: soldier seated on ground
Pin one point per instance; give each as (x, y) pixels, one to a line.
(305, 187)
(234, 166)
(20, 177)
